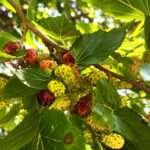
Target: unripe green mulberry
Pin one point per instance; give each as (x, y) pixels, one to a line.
(66, 73)
(88, 136)
(3, 82)
(93, 74)
(113, 140)
(57, 88)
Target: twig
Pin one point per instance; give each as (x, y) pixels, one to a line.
(137, 84)
(27, 25)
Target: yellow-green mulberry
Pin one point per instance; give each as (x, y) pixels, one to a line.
(88, 136)
(57, 88)
(62, 103)
(67, 74)
(93, 74)
(94, 124)
(113, 140)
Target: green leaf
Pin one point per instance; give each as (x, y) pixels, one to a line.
(145, 72)
(22, 134)
(55, 130)
(15, 88)
(34, 77)
(119, 8)
(106, 94)
(96, 47)
(6, 37)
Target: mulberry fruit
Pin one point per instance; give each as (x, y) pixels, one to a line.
(66, 73)
(11, 47)
(92, 74)
(31, 56)
(68, 58)
(45, 97)
(56, 87)
(84, 106)
(47, 64)
(113, 140)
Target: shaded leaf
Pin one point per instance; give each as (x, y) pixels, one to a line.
(58, 133)
(106, 94)
(15, 88)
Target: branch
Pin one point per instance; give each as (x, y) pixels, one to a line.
(27, 25)
(138, 85)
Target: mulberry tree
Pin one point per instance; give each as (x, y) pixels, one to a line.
(74, 74)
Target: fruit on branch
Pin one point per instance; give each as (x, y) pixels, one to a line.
(84, 106)
(68, 58)
(31, 56)
(97, 126)
(47, 64)
(62, 103)
(113, 140)
(92, 74)
(56, 87)
(12, 47)
(67, 74)
(45, 97)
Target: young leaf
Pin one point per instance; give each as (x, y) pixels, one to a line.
(94, 48)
